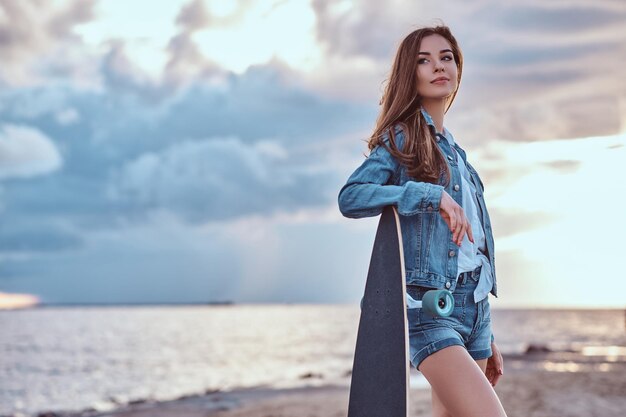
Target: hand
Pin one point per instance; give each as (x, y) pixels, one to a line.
(454, 216)
(495, 365)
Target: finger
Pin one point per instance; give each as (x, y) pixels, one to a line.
(499, 368)
(470, 234)
(459, 230)
(455, 232)
(494, 376)
(453, 222)
(495, 379)
(499, 361)
(491, 376)
(463, 232)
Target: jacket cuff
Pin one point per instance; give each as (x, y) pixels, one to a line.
(420, 197)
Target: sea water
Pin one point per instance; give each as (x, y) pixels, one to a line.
(74, 358)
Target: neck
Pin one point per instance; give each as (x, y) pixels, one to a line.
(435, 107)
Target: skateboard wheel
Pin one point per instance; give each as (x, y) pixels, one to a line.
(438, 303)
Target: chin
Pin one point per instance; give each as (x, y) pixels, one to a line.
(437, 95)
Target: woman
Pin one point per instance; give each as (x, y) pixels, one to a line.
(415, 164)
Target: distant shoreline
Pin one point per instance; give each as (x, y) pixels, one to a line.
(233, 303)
(168, 304)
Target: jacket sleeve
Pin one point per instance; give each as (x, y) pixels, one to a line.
(368, 190)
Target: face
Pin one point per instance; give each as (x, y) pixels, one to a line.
(436, 61)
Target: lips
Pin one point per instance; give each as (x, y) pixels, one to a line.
(440, 79)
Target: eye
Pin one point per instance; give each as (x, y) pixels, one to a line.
(421, 60)
(450, 57)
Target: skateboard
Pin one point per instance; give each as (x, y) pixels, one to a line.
(380, 371)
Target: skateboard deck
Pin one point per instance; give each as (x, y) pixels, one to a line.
(380, 371)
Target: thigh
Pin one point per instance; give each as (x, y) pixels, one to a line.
(439, 410)
(482, 364)
(460, 384)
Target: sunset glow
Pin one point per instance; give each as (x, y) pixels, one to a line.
(15, 301)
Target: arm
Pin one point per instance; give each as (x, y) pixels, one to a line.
(366, 192)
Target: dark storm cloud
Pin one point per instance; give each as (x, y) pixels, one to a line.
(101, 181)
(37, 237)
(218, 179)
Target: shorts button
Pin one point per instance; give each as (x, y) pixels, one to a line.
(456, 187)
(451, 253)
(448, 285)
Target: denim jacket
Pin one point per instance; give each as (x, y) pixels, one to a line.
(430, 255)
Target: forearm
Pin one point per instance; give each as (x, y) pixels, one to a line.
(358, 200)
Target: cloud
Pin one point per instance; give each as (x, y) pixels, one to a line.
(67, 116)
(194, 16)
(35, 32)
(37, 236)
(120, 130)
(218, 179)
(507, 223)
(185, 154)
(555, 18)
(565, 166)
(532, 61)
(26, 152)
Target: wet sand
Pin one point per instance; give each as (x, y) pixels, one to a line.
(531, 387)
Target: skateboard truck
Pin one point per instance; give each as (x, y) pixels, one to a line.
(437, 303)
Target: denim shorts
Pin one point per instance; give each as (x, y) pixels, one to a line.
(469, 325)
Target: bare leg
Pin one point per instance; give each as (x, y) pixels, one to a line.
(439, 410)
(459, 385)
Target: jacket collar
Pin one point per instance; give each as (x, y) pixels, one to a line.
(431, 123)
(429, 119)
(446, 133)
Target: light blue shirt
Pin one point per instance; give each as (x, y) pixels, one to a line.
(471, 255)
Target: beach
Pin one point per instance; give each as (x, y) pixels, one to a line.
(278, 360)
(534, 385)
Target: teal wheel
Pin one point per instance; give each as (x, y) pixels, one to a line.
(438, 303)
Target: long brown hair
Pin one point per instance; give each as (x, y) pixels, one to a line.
(401, 106)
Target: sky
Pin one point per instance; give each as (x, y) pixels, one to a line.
(192, 151)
